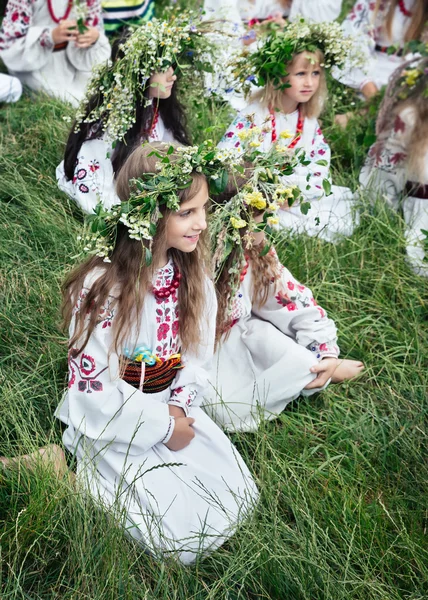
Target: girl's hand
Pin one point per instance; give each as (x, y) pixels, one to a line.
(65, 32)
(183, 434)
(86, 39)
(324, 371)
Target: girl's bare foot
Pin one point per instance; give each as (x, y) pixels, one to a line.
(51, 456)
(346, 369)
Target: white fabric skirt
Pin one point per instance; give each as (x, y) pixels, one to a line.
(257, 371)
(184, 503)
(329, 218)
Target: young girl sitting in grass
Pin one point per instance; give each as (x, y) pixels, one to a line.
(274, 342)
(290, 67)
(141, 340)
(382, 28)
(131, 101)
(396, 168)
(52, 45)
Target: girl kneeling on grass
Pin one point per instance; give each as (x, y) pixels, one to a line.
(273, 341)
(397, 164)
(141, 339)
(128, 102)
(290, 67)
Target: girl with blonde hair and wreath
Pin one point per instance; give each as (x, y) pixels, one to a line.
(130, 101)
(274, 342)
(382, 28)
(289, 66)
(396, 168)
(52, 45)
(142, 329)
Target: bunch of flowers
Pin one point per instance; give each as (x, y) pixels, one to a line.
(141, 212)
(268, 64)
(152, 48)
(232, 224)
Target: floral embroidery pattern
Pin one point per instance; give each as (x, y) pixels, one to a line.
(166, 315)
(19, 16)
(86, 368)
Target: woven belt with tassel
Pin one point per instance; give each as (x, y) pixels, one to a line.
(156, 378)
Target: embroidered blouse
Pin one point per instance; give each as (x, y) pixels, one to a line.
(308, 178)
(385, 168)
(292, 308)
(105, 407)
(93, 179)
(26, 47)
(368, 27)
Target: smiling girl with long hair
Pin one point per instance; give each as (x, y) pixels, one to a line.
(141, 339)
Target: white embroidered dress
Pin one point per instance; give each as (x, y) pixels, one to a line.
(27, 48)
(385, 172)
(186, 502)
(367, 26)
(329, 216)
(93, 179)
(263, 364)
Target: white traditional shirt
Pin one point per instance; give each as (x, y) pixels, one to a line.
(94, 378)
(385, 168)
(308, 178)
(93, 179)
(27, 48)
(245, 10)
(368, 27)
(291, 308)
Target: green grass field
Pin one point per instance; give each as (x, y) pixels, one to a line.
(343, 475)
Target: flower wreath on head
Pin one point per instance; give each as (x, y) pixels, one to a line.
(151, 191)
(152, 48)
(277, 48)
(262, 192)
(403, 82)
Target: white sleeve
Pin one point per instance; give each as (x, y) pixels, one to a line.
(105, 408)
(358, 24)
(191, 381)
(292, 308)
(314, 10)
(309, 178)
(93, 179)
(24, 47)
(84, 59)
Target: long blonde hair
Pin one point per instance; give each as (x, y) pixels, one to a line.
(417, 22)
(271, 97)
(129, 280)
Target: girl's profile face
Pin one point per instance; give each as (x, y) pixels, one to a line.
(164, 83)
(185, 225)
(304, 78)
